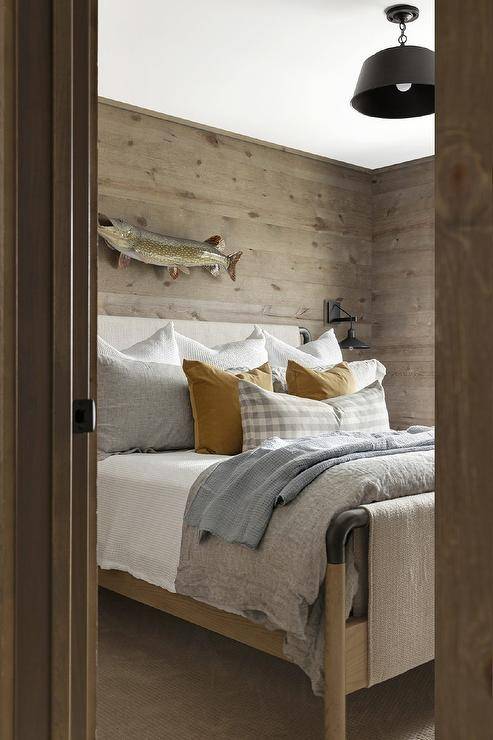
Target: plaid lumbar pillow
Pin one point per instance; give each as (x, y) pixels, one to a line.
(265, 414)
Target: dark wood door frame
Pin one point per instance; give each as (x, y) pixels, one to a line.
(47, 498)
(7, 367)
(47, 195)
(464, 306)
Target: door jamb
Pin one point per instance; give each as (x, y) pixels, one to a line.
(47, 492)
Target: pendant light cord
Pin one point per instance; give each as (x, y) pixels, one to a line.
(402, 38)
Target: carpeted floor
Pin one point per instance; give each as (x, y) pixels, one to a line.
(160, 677)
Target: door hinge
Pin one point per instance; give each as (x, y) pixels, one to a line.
(84, 415)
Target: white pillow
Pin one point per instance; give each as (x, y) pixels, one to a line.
(322, 351)
(107, 350)
(367, 371)
(159, 347)
(247, 353)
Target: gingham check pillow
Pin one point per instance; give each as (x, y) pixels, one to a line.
(265, 414)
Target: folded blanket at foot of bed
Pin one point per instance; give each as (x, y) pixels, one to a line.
(236, 500)
(401, 585)
(279, 584)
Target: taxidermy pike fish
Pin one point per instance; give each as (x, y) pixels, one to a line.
(165, 251)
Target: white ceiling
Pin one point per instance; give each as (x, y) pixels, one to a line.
(278, 70)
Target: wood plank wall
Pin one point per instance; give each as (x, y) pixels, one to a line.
(309, 228)
(303, 223)
(404, 289)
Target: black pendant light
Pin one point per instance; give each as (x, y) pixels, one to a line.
(398, 82)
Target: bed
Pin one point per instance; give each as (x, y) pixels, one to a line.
(139, 536)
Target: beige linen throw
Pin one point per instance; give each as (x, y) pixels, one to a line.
(401, 583)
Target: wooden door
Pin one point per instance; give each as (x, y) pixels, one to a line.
(47, 497)
(464, 307)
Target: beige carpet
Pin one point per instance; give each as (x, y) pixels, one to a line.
(160, 677)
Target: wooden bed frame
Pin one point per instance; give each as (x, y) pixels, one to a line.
(346, 653)
(346, 641)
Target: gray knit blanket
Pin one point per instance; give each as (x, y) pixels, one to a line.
(236, 500)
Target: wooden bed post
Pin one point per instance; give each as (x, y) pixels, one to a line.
(337, 648)
(335, 652)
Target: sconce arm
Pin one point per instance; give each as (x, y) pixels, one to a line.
(348, 317)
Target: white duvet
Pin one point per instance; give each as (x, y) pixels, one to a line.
(141, 502)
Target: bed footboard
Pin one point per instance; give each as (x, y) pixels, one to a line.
(346, 653)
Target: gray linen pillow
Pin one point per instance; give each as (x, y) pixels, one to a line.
(266, 414)
(142, 405)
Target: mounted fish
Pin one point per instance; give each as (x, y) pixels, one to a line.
(165, 251)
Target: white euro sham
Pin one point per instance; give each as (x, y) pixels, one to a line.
(322, 351)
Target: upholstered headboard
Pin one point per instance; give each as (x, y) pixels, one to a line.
(123, 331)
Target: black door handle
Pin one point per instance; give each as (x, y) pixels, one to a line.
(83, 415)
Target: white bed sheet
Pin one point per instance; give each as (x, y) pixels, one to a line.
(141, 503)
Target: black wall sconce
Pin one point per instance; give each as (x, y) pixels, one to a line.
(333, 316)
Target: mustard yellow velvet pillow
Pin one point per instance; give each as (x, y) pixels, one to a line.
(320, 384)
(216, 406)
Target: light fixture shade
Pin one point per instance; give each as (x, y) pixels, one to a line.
(376, 92)
(352, 342)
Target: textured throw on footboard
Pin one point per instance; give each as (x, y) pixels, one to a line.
(401, 583)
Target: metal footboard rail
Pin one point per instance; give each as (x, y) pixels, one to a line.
(339, 530)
